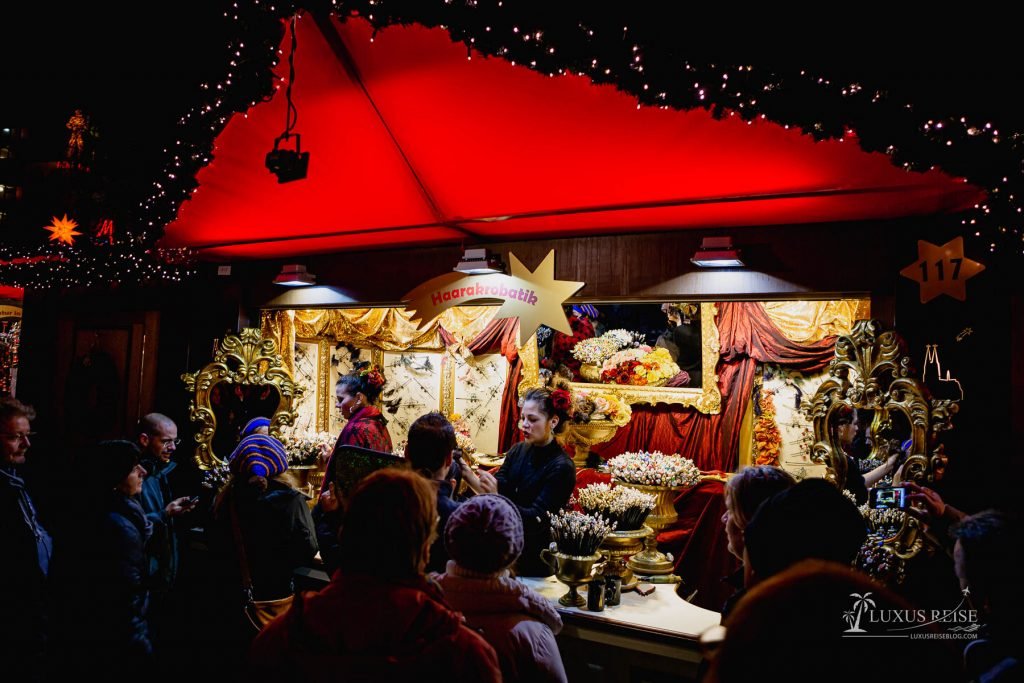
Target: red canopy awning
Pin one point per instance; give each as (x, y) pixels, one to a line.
(414, 143)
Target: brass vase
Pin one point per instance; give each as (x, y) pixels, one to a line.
(590, 372)
(617, 547)
(573, 571)
(651, 560)
(581, 436)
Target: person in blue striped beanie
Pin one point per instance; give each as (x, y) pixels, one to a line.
(258, 456)
(273, 518)
(257, 425)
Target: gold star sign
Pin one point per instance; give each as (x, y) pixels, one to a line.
(942, 270)
(535, 298)
(63, 230)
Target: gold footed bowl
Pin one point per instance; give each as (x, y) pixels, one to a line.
(617, 547)
(581, 436)
(573, 571)
(651, 561)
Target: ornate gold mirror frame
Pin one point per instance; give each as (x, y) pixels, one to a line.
(706, 399)
(247, 360)
(871, 371)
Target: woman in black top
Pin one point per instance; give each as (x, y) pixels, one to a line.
(537, 474)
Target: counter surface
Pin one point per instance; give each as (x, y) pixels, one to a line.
(662, 612)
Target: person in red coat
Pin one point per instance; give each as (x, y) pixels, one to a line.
(380, 618)
(356, 395)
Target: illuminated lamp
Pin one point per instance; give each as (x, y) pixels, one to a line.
(294, 275)
(717, 252)
(479, 262)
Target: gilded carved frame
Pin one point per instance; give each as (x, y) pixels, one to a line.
(245, 359)
(707, 399)
(872, 371)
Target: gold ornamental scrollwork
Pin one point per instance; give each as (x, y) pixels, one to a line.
(246, 359)
(871, 371)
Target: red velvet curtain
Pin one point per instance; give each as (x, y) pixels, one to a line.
(747, 337)
(501, 335)
(697, 540)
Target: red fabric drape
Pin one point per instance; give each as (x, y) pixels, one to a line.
(747, 337)
(501, 335)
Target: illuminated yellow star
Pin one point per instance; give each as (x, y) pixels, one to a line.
(535, 298)
(63, 230)
(546, 308)
(942, 270)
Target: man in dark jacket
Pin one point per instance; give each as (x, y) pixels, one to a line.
(157, 437)
(429, 451)
(26, 553)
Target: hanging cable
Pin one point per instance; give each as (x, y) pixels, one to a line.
(289, 164)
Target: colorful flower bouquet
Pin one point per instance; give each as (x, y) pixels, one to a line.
(591, 406)
(626, 507)
(576, 533)
(307, 448)
(654, 469)
(642, 366)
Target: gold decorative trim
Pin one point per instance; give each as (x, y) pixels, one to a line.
(707, 399)
(871, 370)
(246, 359)
(447, 383)
(323, 380)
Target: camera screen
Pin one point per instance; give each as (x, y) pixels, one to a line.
(891, 498)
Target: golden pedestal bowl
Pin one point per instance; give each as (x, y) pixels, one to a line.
(581, 436)
(573, 571)
(617, 547)
(651, 560)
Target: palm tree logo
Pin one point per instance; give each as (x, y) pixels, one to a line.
(861, 603)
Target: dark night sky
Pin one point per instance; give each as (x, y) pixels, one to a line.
(136, 71)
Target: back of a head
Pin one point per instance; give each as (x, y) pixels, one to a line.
(431, 441)
(485, 534)
(809, 520)
(751, 486)
(793, 625)
(103, 466)
(986, 540)
(390, 521)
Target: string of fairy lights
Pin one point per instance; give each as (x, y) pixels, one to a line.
(597, 44)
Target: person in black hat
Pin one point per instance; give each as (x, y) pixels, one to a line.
(100, 568)
(809, 520)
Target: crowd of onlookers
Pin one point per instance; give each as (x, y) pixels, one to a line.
(423, 579)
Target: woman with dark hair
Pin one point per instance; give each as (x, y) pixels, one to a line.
(854, 438)
(356, 394)
(100, 569)
(537, 475)
(380, 619)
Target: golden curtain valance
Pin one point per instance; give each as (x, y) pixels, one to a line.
(810, 321)
(388, 329)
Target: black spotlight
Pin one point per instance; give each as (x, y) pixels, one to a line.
(288, 164)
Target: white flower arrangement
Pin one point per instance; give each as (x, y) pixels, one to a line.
(654, 469)
(576, 533)
(594, 350)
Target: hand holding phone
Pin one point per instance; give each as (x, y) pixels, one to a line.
(887, 498)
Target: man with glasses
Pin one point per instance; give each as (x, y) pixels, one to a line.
(157, 436)
(26, 553)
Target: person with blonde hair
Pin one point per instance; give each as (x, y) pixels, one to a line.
(380, 618)
(744, 492)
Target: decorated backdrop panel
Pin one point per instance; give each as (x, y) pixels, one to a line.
(782, 432)
(479, 383)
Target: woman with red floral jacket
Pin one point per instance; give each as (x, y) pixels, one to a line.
(356, 394)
